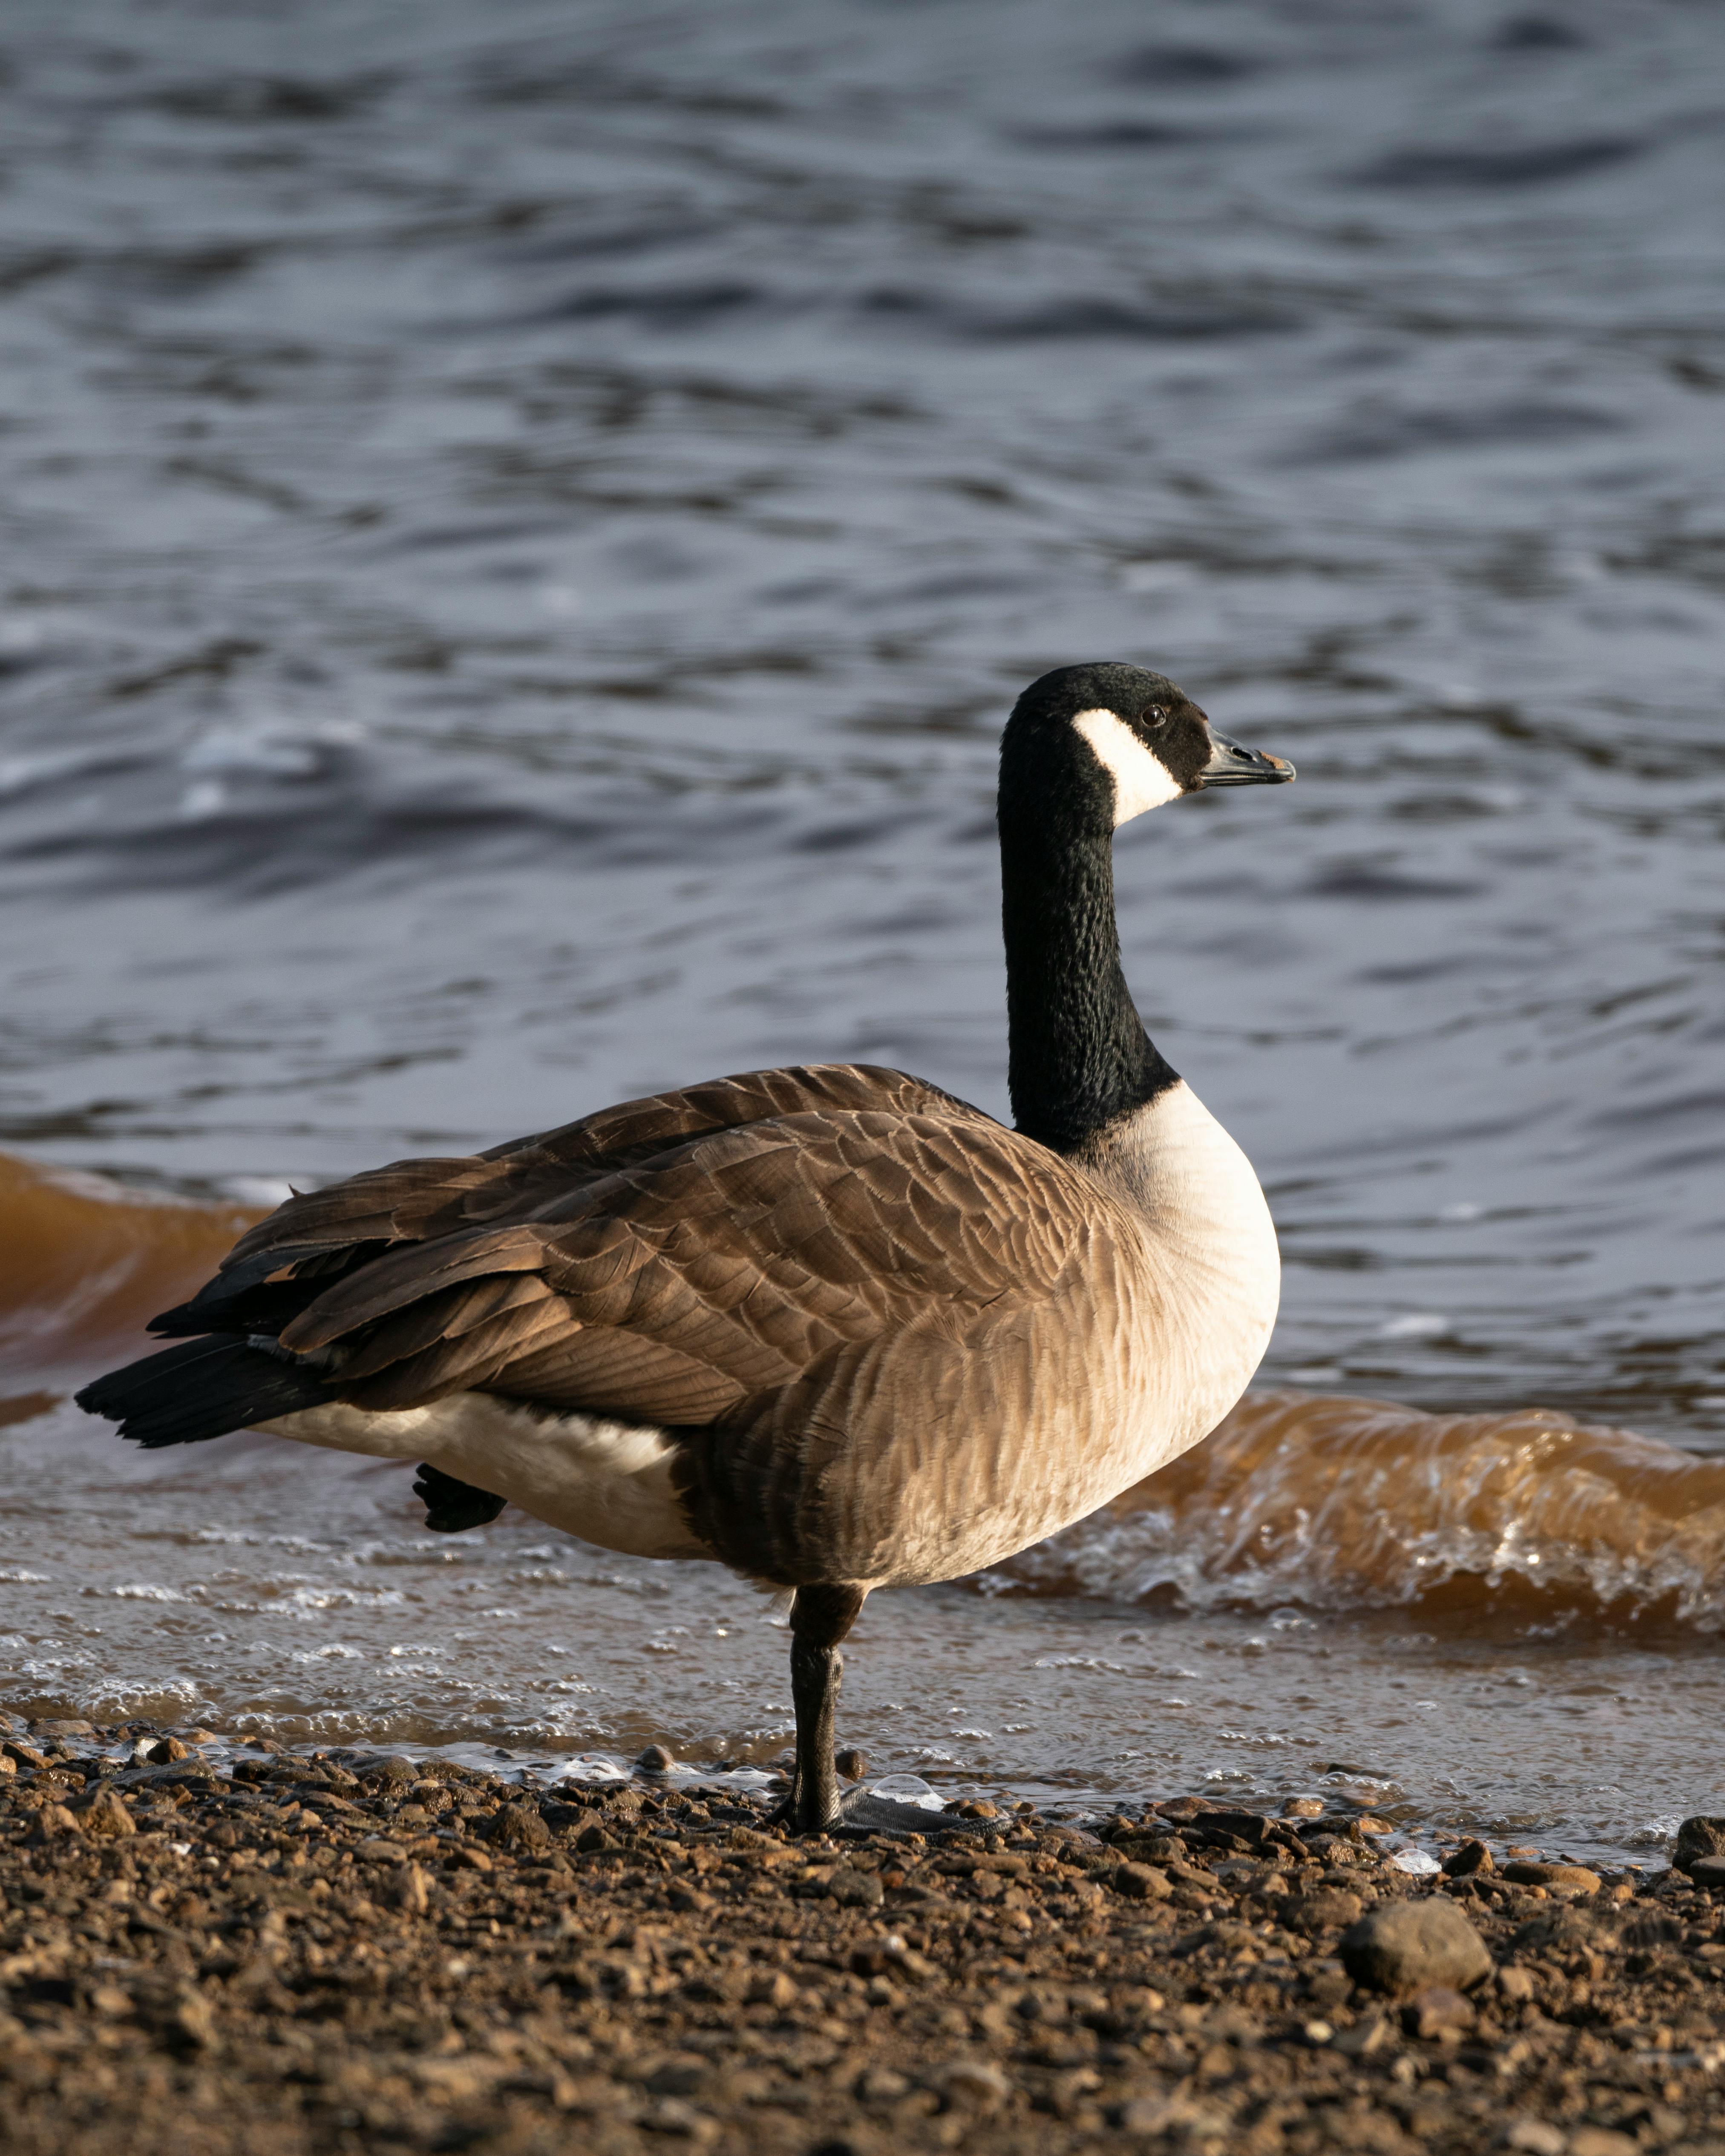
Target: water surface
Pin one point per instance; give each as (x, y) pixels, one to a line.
(522, 525)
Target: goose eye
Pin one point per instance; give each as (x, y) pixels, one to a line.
(1155, 715)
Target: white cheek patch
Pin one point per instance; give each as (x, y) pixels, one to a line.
(1142, 780)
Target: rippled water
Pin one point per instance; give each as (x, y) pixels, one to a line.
(522, 525)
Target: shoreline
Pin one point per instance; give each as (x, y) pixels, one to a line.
(346, 1951)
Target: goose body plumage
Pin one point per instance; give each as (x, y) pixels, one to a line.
(773, 1321)
(828, 1325)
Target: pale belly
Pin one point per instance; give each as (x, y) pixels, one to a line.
(605, 1482)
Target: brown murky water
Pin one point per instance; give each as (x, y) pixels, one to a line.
(522, 527)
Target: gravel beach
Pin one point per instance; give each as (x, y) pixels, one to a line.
(350, 1951)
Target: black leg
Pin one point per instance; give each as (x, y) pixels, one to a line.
(820, 1617)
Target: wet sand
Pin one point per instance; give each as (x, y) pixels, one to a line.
(336, 1952)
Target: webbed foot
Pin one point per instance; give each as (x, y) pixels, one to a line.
(450, 1504)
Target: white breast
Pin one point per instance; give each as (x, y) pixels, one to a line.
(1213, 1273)
(606, 1482)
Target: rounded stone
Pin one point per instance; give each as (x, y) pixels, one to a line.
(104, 1817)
(1572, 1878)
(1141, 1882)
(1407, 1944)
(519, 1828)
(1698, 1837)
(1326, 1909)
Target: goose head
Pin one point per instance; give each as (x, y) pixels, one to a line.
(1095, 745)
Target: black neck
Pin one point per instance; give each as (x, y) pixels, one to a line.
(1078, 1056)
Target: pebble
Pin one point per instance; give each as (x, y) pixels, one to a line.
(1698, 1837)
(104, 1817)
(1436, 2010)
(519, 1828)
(1574, 1878)
(1405, 1945)
(1323, 1909)
(1536, 2136)
(976, 2083)
(51, 1820)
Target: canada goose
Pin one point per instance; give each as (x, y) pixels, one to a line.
(828, 1326)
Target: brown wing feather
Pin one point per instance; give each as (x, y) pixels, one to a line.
(817, 1275)
(750, 1254)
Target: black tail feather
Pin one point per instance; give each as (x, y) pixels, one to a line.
(201, 1389)
(244, 1298)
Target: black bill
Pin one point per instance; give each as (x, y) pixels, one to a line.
(1231, 765)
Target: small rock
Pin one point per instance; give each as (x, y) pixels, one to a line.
(881, 2085)
(1536, 2136)
(671, 2114)
(184, 2017)
(977, 1808)
(1405, 1944)
(1698, 1837)
(1601, 2141)
(1141, 1882)
(1515, 1984)
(1317, 2032)
(165, 1751)
(104, 1817)
(679, 2075)
(850, 1763)
(566, 1818)
(976, 2084)
(656, 1759)
(1172, 2115)
(772, 1987)
(594, 1837)
(1303, 1808)
(1436, 2010)
(1365, 2039)
(63, 1728)
(1327, 1908)
(519, 1829)
(390, 1773)
(410, 1890)
(463, 1857)
(53, 1820)
(689, 1900)
(854, 1890)
(1472, 1858)
(1708, 1871)
(1574, 1878)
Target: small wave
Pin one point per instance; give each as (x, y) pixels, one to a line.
(85, 1263)
(1519, 166)
(1337, 1503)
